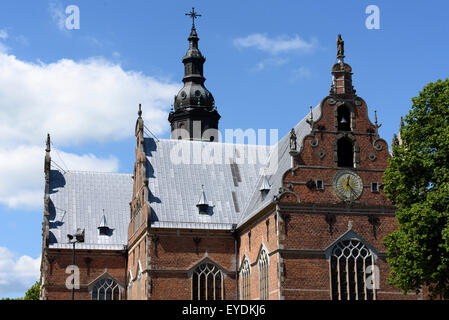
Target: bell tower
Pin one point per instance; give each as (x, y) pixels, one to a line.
(194, 115)
(342, 74)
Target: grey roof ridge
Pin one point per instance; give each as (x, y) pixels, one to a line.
(191, 222)
(252, 195)
(259, 180)
(245, 216)
(262, 176)
(98, 172)
(201, 141)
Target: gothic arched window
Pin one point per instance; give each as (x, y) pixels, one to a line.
(352, 269)
(106, 289)
(263, 276)
(345, 153)
(246, 283)
(343, 118)
(207, 283)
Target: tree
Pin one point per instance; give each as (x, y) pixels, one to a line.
(417, 182)
(33, 292)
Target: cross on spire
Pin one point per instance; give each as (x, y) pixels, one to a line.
(193, 15)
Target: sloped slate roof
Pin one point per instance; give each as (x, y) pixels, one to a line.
(232, 181)
(78, 200)
(281, 155)
(176, 175)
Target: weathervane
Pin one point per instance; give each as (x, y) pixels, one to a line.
(193, 15)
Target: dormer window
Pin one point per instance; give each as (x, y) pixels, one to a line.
(343, 118)
(265, 187)
(202, 204)
(103, 229)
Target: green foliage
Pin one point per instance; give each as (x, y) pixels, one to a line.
(33, 292)
(417, 181)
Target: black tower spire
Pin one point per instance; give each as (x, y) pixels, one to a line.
(194, 116)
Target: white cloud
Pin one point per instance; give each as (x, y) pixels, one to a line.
(302, 73)
(57, 14)
(3, 48)
(21, 172)
(3, 34)
(77, 102)
(17, 274)
(271, 62)
(87, 162)
(275, 45)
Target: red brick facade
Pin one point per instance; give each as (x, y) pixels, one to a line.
(92, 264)
(297, 231)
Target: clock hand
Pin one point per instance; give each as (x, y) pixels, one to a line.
(354, 193)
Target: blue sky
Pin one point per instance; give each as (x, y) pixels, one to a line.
(266, 63)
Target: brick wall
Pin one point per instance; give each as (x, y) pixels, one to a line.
(92, 264)
(173, 256)
(308, 228)
(262, 234)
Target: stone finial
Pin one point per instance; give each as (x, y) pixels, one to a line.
(310, 121)
(140, 110)
(395, 141)
(376, 124)
(48, 143)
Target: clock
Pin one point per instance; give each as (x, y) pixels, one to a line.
(348, 185)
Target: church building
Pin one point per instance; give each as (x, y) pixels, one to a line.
(197, 219)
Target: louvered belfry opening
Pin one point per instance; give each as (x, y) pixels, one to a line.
(343, 118)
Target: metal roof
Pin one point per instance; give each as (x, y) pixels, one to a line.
(177, 169)
(78, 200)
(280, 154)
(232, 180)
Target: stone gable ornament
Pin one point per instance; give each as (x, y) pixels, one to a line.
(293, 143)
(310, 121)
(340, 47)
(395, 141)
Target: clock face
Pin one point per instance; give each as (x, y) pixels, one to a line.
(348, 185)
